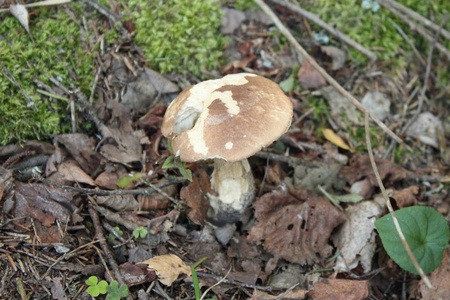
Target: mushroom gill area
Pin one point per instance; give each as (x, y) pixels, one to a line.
(186, 118)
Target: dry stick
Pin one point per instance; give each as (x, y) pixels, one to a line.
(391, 210)
(109, 256)
(416, 16)
(13, 80)
(314, 18)
(416, 27)
(322, 72)
(423, 90)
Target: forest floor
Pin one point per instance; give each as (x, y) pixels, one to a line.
(99, 202)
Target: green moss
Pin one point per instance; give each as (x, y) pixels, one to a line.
(374, 30)
(56, 48)
(178, 35)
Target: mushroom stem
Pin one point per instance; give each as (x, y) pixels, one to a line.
(235, 188)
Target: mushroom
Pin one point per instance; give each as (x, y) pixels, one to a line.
(227, 120)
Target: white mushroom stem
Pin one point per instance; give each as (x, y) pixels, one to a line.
(235, 188)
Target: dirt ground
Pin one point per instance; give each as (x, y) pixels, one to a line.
(102, 203)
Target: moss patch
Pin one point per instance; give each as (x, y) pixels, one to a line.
(57, 49)
(374, 30)
(179, 35)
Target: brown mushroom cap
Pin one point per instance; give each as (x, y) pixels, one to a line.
(230, 118)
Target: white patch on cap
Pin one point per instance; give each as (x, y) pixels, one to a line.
(201, 96)
(227, 100)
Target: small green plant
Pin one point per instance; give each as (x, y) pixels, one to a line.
(426, 232)
(96, 288)
(195, 281)
(174, 162)
(114, 291)
(119, 232)
(140, 232)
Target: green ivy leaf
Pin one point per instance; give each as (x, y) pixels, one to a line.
(426, 232)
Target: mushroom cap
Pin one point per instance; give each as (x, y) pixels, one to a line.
(230, 118)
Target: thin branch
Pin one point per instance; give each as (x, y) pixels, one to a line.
(314, 18)
(322, 72)
(146, 192)
(13, 80)
(416, 16)
(416, 27)
(391, 210)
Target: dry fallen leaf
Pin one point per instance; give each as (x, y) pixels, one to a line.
(20, 12)
(297, 232)
(310, 78)
(341, 289)
(289, 295)
(407, 196)
(69, 171)
(337, 56)
(334, 138)
(167, 267)
(440, 279)
(342, 111)
(195, 196)
(360, 168)
(356, 238)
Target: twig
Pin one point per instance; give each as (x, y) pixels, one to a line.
(216, 284)
(109, 256)
(161, 192)
(115, 217)
(233, 282)
(391, 210)
(427, 76)
(146, 192)
(322, 72)
(13, 80)
(416, 27)
(67, 256)
(314, 18)
(416, 16)
(410, 43)
(422, 91)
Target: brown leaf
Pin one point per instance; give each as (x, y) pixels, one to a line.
(134, 275)
(195, 196)
(6, 181)
(310, 78)
(289, 295)
(57, 288)
(119, 202)
(126, 149)
(440, 279)
(69, 171)
(42, 202)
(81, 148)
(167, 267)
(297, 232)
(407, 196)
(360, 168)
(356, 238)
(337, 56)
(341, 289)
